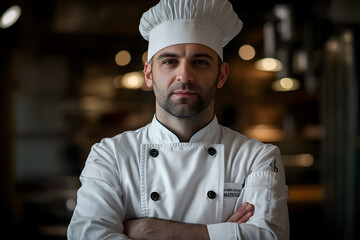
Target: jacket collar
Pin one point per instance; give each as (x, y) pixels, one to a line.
(160, 134)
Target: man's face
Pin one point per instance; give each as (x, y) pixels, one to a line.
(184, 78)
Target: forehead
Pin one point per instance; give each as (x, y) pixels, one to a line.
(187, 50)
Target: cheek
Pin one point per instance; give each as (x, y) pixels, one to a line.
(163, 81)
(211, 81)
(160, 85)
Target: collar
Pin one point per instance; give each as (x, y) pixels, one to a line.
(160, 134)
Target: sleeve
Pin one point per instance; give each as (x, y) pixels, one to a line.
(265, 188)
(99, 211)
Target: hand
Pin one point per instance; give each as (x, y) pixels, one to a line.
(152, 228)
(242, 214)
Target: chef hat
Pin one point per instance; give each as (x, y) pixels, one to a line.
(212, 23)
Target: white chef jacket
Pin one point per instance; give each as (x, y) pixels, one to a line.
(150, 173)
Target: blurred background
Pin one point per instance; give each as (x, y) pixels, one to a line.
(71, 75)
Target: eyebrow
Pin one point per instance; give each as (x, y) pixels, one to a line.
(167, 55)
(174, 55)
(203, 55)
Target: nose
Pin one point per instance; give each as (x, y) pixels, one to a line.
(184, 72)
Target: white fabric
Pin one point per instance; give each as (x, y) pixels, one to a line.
(120, 176)
(212, 23)
(166, 34)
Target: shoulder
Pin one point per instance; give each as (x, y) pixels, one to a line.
(121, 144)
(111, 151)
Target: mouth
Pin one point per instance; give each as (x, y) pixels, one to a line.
(184, 93)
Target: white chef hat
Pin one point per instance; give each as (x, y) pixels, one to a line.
(212, 23)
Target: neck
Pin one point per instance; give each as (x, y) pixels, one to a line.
(185, 128)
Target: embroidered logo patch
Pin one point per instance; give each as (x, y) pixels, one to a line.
(273, 166)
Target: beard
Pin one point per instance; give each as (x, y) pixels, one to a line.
(185, 107)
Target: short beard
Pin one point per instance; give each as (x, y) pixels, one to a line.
(176, 110)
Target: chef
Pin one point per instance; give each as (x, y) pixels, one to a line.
(183, 176)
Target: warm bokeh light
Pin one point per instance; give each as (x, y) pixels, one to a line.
(286, 84)
(246, 52)
(265, 133)
(10, 16)
(94, 103)
(133, 80)
(298, 160)
(332, 45)
(123, 58)
(268, 64)
(306, 160)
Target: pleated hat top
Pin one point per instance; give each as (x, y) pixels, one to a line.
(212, 23)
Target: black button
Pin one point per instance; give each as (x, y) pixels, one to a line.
(154, 152)
(211, 194)
(211, 151)
(154, 196)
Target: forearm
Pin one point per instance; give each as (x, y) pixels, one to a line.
(187, 231)
(150, 228)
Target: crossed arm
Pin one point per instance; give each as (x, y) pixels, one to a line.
(151, 228)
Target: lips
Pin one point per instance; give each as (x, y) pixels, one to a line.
(184, 93)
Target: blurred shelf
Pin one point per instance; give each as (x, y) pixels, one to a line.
(306, 194)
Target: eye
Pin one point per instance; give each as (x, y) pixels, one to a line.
(201, 62)
(169, 62)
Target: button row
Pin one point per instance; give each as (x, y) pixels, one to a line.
(155, 196)
(154, 153)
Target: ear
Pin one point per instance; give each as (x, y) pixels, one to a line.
(148, 74)
(223, 75)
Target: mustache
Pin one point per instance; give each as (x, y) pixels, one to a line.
(184, 86)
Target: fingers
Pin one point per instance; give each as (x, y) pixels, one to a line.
(242, 214)
(246, 217)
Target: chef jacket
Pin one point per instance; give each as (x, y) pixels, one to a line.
(150, 173)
